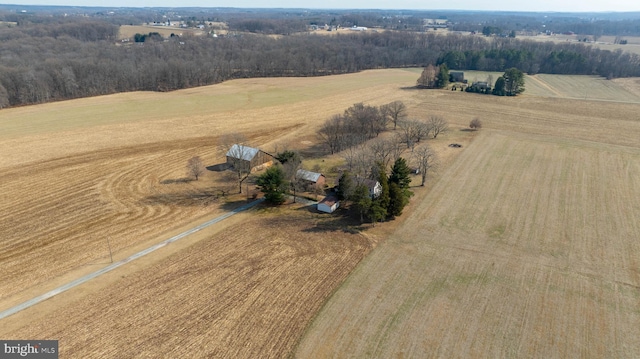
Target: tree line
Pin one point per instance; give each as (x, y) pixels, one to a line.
(38, 64)
(354, 134)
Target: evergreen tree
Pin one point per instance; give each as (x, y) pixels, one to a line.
(361, 200)
(377, 212)
(513, 81)
(397, 200)
(443, 76)
(380, 205)
(288, 156)
(345, 186)
(498, 89)
(400, 173)
(273, 184)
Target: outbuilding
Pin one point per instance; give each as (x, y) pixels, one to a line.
(249, 157)
(311, 179)
(328, 204)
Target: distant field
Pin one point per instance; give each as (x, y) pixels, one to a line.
(525, 242)
(583, 87)
(604, 42)
(570, 86)
(129, 31)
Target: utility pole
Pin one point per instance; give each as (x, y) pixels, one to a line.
(109, 244)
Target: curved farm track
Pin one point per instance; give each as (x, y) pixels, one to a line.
(58, 214)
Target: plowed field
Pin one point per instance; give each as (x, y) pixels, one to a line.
(524, 244)
(244, 293)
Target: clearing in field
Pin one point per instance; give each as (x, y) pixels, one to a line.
(129, 31)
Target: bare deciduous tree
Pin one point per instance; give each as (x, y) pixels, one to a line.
(395, 111)
(195, 167)
(475, 124)
(421, 131)
(359, 160)
(290, 168)
(437, 125)
(384, 150)
(333, 133)
(413, 131)
(238, 153)
(408, 132)
(426, 160)
(365, 120)
(428, 77)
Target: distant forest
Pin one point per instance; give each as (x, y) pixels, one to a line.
(56, 57)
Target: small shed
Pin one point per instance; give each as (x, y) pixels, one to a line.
(328, 204)
(311, 178)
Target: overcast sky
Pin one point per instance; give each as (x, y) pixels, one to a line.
(504, 5)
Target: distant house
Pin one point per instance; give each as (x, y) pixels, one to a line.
(328, 204)
(311, 178)
(456, 76)
(253, 158)
(375, 188)
(480, 86)
(435, 23)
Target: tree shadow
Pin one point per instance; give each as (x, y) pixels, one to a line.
(340, 220)
(316, 150)
(411, 88)
(220, 167)
(177, 180)
(231, 205)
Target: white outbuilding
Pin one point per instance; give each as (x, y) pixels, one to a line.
(328, 204)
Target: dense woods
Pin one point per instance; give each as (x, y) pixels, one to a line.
(64, 58)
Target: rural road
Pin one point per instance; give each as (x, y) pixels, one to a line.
(115, 265)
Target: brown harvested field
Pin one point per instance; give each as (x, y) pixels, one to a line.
(78, 172)
(525, 246)
(75, 173)
(246, 292)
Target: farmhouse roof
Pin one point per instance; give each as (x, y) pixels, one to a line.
(242, 152)
(371, 184)
(308, 175)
